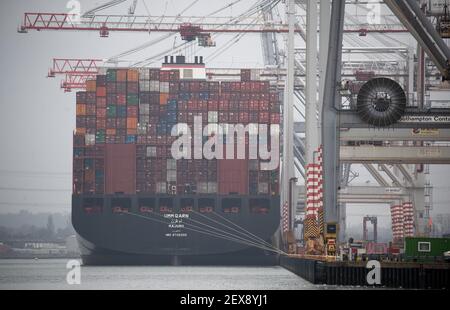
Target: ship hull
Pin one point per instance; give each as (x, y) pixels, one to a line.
(176, 236)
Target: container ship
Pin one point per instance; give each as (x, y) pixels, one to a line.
(134, 203)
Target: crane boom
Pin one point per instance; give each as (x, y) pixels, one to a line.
(134, 23)
(74, 66)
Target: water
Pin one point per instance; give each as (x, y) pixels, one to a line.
(51, 274)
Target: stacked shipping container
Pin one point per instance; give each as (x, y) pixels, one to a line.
(124, 122)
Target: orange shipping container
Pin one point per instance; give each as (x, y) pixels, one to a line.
(81, 131)
(110, 132)
(163, 97)
(131, 131)
(132, 122)
(133, 75)
(101, 91)
(121, 75)
(91, 86)
(81, 109)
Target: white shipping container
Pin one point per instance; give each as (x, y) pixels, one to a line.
(144, 74)
(436, 7)
(144, 108)
(171, 164)
(144, 85)
(142, 129)
(202, 187)
(164, 87)
(151, 151)
(171, 175)
(263, 188)
(89, 139)
(212, 187)
(161, 187)
(255, 74)
(154, 86)
(145, 119)
(213, 116)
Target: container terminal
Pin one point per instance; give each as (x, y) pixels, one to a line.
(178, 161)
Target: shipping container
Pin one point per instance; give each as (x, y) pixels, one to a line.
(426, 249)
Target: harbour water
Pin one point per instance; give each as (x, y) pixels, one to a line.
(52, 273)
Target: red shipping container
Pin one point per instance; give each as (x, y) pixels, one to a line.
(174, 75)
(120, 168)
(81, 97)
(111, 123)
(121, 123)
(110, 88)
(264, 117)
(121, 75)
(223, 117)
(132, 111)
(233, 176)
(255, 87)
(132, 122)
(213, 105)
(101, 112)
(243, 117)
(164, 76)
(273, 97)
(132, 87)
(111, 132)
(224, 105)
(101, 91)
(194, 86)
(132, 75)
(101, 123)
(182, 106)
(192, 105)
(234, 106)
(202, 105)
(233, 117)
(213, 87)
(243, 105)
(160, 140)
(101, 102)
(263, 105)
(121, 99)
(275, 118)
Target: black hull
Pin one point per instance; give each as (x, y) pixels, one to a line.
(136, 238)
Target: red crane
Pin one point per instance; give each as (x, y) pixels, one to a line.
(130, 23)
(76, 72)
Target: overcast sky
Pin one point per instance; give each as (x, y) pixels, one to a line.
(37, 118)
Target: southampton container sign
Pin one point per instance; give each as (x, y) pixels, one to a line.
(440, 119)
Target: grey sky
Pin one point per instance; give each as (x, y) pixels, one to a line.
(37, 118)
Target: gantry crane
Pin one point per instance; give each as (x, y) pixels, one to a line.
(373, 220)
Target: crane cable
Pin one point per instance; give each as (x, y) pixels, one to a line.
(164, 37)
(179, 47)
